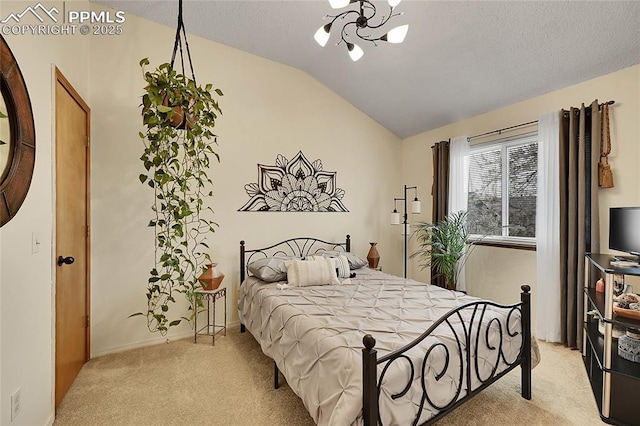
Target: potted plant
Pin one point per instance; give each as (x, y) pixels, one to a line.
(444, 246)
(178, 118)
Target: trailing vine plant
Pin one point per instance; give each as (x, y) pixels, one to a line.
(178, 117)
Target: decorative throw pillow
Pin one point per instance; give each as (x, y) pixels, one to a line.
(270, 269)
(302, 273)
(355, 261)
(342, 266)
(340, 263)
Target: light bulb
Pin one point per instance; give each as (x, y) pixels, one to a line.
(355, 52)
(397, 34)
(395, 218)
(394, 3)
(339, 4)
(415, 206)
(322, 35)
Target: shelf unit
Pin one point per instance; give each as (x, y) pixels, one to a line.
(615, 381)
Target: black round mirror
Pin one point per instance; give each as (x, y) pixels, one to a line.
(17, 133)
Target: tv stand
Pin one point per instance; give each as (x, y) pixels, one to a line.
(614, 380)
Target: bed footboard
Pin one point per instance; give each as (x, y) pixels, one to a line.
(467, 335)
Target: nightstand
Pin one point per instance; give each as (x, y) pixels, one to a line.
(210, 298)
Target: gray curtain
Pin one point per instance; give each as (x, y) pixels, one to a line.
(579, 212)
(440, 193)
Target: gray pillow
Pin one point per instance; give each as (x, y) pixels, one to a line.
(355, 261)
(270, 269)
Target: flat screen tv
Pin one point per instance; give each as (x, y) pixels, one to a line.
(624, 230)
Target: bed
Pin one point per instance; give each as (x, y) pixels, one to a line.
(379, 349)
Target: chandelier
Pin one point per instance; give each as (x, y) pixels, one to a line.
(362, 19)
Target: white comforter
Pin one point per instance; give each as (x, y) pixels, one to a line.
(314, 334)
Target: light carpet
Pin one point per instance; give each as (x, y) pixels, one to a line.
(231, 383)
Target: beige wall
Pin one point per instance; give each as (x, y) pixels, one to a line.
(268, 109)
(497, 273)
(27, 280)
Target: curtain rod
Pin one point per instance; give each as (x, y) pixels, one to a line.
(499, 131)
(588, 111)
(529, 123)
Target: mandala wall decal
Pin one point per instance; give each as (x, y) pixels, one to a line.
(294, 186)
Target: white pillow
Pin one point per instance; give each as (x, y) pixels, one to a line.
(302, 273)
(340, 264)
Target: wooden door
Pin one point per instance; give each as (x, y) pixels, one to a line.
(72, 118)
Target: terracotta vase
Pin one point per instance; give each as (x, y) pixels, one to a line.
(211, 278)
(373, 256)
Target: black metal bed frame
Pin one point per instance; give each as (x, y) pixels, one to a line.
(468, 361)
(299, 247)
(467, 338)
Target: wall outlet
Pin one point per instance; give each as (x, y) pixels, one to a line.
(15, 404)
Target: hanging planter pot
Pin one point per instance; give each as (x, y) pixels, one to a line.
(180, 115)
(177, 164)
(175, 113)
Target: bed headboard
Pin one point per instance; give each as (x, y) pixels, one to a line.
(300, 247)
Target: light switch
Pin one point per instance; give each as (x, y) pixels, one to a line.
(35, 243)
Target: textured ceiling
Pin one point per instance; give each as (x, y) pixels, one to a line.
(459, 59)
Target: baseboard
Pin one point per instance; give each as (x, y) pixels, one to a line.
(156, 340)
(51, 419)
(142, 343)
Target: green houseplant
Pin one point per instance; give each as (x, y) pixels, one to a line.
(177, 154)
(443, 245)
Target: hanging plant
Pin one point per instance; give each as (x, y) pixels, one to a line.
(179, 117)
(176, 158)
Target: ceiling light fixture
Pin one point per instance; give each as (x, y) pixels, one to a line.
(362, 20)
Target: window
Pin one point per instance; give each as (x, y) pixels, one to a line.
(503, 183)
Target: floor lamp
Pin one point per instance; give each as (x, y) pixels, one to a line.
(395, 218)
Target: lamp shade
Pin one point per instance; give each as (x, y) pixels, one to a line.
(395, 218)
(339, 4)
(322, 35)
(393, 3)
(397, 34)
(415, 206)
(355, 52)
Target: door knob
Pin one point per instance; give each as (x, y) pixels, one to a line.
(65, 260)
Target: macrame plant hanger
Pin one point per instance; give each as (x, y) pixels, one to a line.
(178, 44)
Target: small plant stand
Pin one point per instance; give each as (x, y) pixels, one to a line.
(211, 328)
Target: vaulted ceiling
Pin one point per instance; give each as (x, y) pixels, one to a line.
(459, 59)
